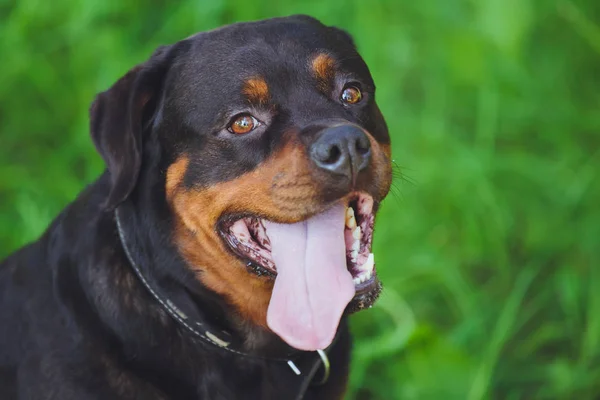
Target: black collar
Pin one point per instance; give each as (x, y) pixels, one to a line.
(304, 365)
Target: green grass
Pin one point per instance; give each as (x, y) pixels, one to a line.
(489, 246)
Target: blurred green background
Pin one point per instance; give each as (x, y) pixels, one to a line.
(489, 246)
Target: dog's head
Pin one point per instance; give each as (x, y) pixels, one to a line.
(272, 156)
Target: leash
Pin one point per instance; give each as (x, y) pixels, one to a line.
(202, 331)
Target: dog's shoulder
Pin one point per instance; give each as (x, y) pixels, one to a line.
(44, 306)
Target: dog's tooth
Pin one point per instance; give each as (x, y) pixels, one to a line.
(356, 233)
(350, 219)
(354, 248)
(352, 222)
(369, 264)
(356, 280)
(354, 255)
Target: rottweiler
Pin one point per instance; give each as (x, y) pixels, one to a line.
(221, 251)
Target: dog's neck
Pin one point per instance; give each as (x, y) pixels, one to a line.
(179, 302)
(186, 307)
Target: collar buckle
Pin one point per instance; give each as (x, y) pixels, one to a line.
(326, 367)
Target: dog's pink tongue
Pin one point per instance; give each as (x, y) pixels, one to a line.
(313, 285)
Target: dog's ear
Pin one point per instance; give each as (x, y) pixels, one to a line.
(118, 117)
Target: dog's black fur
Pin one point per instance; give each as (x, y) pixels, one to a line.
(75, 321)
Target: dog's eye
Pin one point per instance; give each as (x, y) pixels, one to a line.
(243, 123)
(351, 95)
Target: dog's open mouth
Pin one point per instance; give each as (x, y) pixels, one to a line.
(319, 266)
(250, 240)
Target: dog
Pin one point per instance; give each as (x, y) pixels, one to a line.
(220, 253)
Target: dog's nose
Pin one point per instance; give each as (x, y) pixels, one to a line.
(343, 150)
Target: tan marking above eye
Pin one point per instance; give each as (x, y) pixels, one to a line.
(256, 90)
(323, 68)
